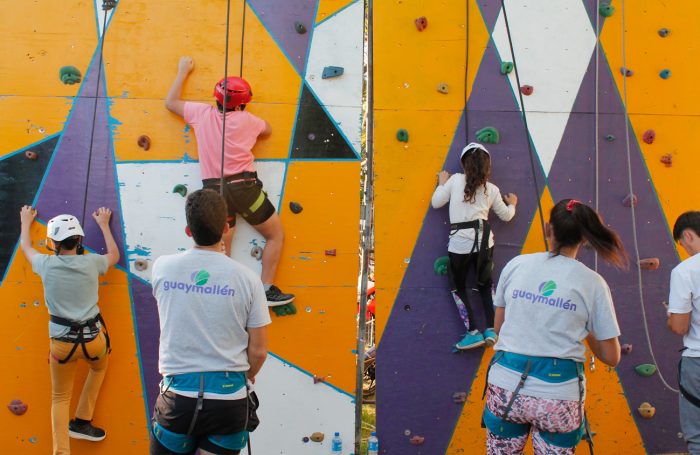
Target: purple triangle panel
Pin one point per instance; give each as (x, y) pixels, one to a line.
(418, 369)
(573, 175)
(148, 328)
(66, 184)
(489, 11)
(280, 18)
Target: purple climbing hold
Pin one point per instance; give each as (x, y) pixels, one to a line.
(664, 32)
(17, 407)
(649, 136)
(421, 23)
(626, 72)
(630, 200)
(459, 397)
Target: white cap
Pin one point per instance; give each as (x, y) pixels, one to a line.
(63, 226)
(471, 147)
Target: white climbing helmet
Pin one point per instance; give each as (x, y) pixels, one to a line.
(471, 147)
(61, 227)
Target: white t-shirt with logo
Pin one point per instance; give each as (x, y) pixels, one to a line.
(685, 298)
(551, 305)
(206, 300)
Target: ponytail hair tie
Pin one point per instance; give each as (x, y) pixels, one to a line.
(570, 205)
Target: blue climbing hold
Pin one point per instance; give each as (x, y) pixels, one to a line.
(665, 74)
(332, 71)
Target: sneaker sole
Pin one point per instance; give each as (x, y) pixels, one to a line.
(471, 346)
(75, 435)
(280, 302)
(490, 342)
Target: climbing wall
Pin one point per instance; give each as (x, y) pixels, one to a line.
(86, 143)
(555, 48)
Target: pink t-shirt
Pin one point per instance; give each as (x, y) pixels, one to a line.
(242, 131)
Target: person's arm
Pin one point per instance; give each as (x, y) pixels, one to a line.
(679, 323)
(499, 318)
(27, 215)
(680, 302)
(503, 211)
(607, 351)
(102, 216)
(441, 196)
(266, 131)
(257, 350)
(174, 102)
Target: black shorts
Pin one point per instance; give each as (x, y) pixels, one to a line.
(245, 197)
(217, 419)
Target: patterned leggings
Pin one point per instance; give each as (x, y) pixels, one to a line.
(542, 414)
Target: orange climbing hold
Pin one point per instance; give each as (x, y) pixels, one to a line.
(649, 263)
(646, 410)
(31, 155)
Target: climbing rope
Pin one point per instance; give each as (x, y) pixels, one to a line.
(106, 6)
(527, 130)
(466, 79)
(597, 111)
(634, 217)
(222, 182)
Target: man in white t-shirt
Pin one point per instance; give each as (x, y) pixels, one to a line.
(684, 319)
(213, 316)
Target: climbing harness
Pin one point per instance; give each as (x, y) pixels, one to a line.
(484, 264)
(527, 129)
(78, 337)
(633, 210)
(547, 369)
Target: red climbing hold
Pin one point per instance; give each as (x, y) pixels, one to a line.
(421, 23)
(318, 379)
(144, 142)
(649, 136)
(31, 155)
(527, 90)
(649, 263)
(626, 348)
(667, 159)
(17, 407)
(630, 200)
(330, 252)
(417, 440)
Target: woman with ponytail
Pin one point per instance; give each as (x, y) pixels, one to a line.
(547, 304)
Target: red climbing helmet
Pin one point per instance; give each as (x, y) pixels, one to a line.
(238, 89)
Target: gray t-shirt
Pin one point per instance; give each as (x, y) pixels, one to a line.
(551, 304)
(70, 286)
(206, 300)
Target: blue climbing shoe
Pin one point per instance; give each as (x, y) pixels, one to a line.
(490, 337)
(471, 340)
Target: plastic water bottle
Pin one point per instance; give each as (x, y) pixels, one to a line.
(373, 444)
(337, 444)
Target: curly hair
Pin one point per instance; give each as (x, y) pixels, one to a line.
(205, 211)
(476, 164)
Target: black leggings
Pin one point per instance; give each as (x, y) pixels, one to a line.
(461, 267)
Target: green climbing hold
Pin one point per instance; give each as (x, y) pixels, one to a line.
(606, 10)
(402, 135)
(645, 369)
(300, 27)
(284, 310)
(180, 189)
(441, 265)
(69, 75)
(488, 135)
(506, 67)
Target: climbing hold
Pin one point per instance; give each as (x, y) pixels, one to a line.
(311, 137)
(626, 71)
(443, 88)
(626, 348)
(645, 369)
(440, 265)
(295, 207)
(527, 90)
(300, 28)
(31, 155)
(256, 252)
(305, 439)
(667, 159)
(664, 32)
(665, 74)
(144, 142)
(140, 265)
(332, 71)
(284, 310)
(488, 135)
(69, 75)
(459, 397)
(402, 135)
(317, 437)
(417, 440)
(330, 252)
(649, 136)
(318, 379)
(17, 407)
(610, 138)
(180, 189)
(630, 200)
(606, 10)
(646, 410)
(506, 67)
(649, 263)
(108, 4)
(421, 23)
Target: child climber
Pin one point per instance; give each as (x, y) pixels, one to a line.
(470, 248)
(242, 188)
(76, 328)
